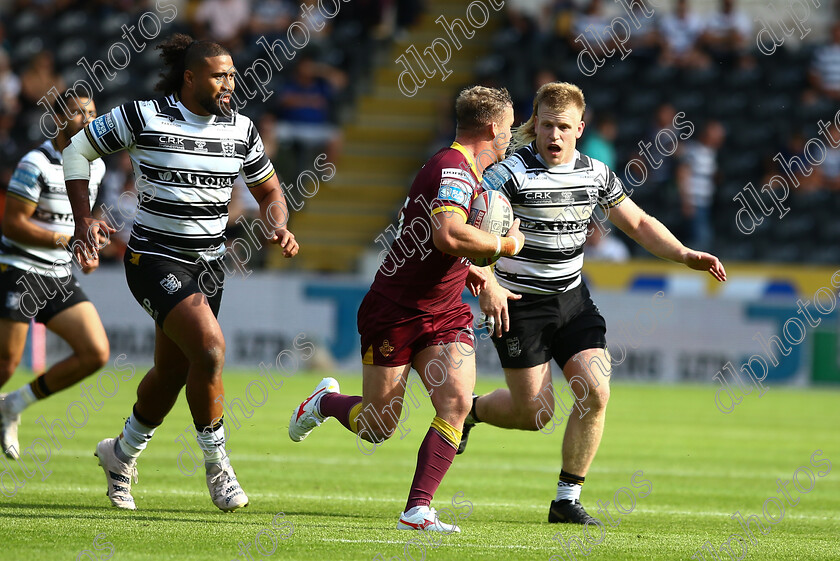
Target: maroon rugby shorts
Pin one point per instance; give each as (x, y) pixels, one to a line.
(392, 334)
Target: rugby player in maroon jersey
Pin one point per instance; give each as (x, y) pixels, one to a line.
(413, 314)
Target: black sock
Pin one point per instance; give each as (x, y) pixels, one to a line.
(570, 478)
(472, 410)
(39, 387)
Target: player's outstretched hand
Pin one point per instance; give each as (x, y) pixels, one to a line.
(476, 280)
(701, 261)
(94, 234)
(285, 239)
(494, 306)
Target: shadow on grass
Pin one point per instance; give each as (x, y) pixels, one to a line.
(42, 510)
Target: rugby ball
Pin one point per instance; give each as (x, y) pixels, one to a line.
(490, 212)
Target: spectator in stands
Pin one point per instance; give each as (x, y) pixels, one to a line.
(10, 152)
(35, 82)
(727, 35)
(9, 85)
(315, 21)
(795, 148)
(560, 15)
(306, 122)
(267, 127)
(523, 102)
(605, 247)
(645, 42)
(825, 67)
(5, 44)
(369, 14)
(223, 21)
(831, 165)
(533, 10)
(38, 78)
(592, 16)
(598, 141)
(659, 179)
(271, 18)
(679, 33)
(697, 179)
(408, 12)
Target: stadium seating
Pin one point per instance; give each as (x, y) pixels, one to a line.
(388, 135)
(387, 139)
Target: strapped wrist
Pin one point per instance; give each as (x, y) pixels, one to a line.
(510, 246)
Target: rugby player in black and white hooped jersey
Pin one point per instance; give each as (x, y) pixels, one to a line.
(36, 280)
(540, 306)
(188, 147)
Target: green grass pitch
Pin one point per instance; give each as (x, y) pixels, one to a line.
(339, 504)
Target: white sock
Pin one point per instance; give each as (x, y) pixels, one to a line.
(212, 444)
(135, 437)
(20, 399)
(568, 491)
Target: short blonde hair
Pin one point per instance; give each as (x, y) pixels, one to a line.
(478, 106)
(557, 96)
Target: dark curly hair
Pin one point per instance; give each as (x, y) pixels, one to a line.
(179, 53)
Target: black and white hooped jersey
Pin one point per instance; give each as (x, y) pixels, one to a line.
(554, 206)
(38, 180)
(185, 165)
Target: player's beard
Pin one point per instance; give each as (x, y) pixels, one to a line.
(215, 106)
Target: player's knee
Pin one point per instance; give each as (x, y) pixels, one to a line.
(8, 366)
(211, 359)
(95, 356)
(597, 397)
(460, 406)
(453, 405)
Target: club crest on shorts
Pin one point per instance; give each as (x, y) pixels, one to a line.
(386, 348)
(513, 347)
(170, 283)
(228, 147)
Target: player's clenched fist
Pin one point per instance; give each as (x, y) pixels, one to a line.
(285, 239)
(92, 235)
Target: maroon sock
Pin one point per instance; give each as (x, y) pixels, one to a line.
(338, 405)
(433, 461)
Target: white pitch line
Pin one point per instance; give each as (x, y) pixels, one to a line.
(458, 545)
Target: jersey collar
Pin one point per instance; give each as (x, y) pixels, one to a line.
(52, 150)
(457, 146)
